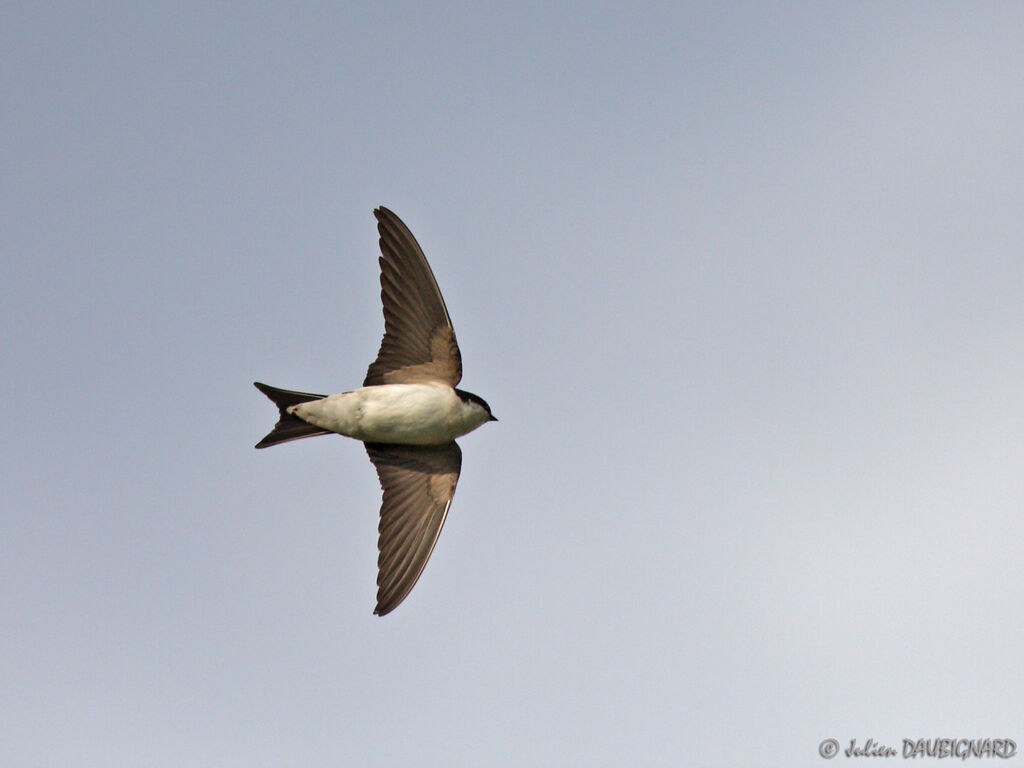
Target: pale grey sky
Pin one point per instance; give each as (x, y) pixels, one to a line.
(743, 283)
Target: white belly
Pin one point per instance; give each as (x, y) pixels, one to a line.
(407, 414)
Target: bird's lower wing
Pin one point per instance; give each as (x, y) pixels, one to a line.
(418, 484)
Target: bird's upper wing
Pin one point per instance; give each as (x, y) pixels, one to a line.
(419, 341)
(418, 483)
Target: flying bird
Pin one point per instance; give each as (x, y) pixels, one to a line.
(407, 413)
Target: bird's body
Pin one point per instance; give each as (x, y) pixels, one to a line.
(408, 413)
(400, 414)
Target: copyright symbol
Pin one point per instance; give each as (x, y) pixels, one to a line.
(828, 749)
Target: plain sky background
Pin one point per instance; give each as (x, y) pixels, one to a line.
(744, 283)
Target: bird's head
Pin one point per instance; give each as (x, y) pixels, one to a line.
(476, 403)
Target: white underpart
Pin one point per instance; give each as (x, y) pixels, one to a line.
(408, 414)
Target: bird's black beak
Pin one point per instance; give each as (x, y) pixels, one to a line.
(493, 418)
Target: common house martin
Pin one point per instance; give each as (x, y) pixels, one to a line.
(407, 413)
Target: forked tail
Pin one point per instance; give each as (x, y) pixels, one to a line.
(288, 427)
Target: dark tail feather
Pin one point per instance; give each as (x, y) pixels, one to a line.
(288, 427)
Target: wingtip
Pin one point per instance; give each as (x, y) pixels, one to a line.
(386, 603)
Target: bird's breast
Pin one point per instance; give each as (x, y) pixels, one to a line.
(407, 414)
